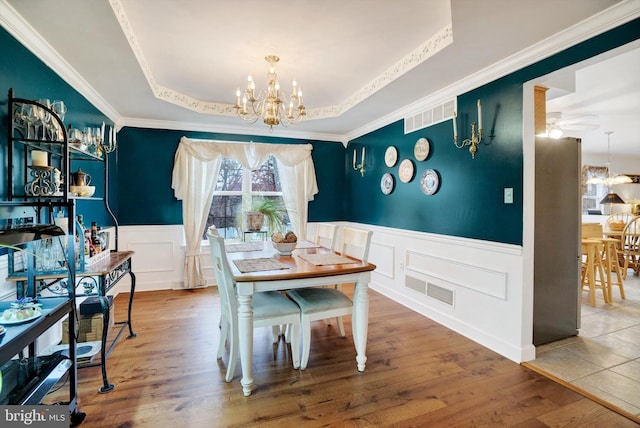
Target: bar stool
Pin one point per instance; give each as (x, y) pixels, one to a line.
(593, 272)
(611, 263)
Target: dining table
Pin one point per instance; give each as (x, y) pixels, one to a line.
(259, 267)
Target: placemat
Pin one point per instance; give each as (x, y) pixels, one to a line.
(326, 259)
(257, 265)
(307, 244)
(243, 246)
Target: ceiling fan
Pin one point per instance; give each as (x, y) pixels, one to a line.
(557, 125)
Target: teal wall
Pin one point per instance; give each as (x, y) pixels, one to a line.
(468, 204)
(145, 163)
(30, 78)
(470, 200)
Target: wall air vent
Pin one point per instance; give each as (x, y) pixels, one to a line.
(415, 284)
(439, 293)
(430, 116)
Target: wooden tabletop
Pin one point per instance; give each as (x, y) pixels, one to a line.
(116, 258)
(295, 267)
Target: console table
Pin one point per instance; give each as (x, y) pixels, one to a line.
(102, 276)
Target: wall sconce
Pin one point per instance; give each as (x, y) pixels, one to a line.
(476, 137)
(111, 144)
(358, 166)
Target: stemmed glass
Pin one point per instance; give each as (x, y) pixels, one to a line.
(60, 109)
(30, 115)
(44, 117)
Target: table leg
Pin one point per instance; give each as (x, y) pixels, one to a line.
(106, 386)
(360, 323)
(133, 290)
(245, 333)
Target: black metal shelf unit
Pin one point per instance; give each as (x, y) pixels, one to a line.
(29, 205)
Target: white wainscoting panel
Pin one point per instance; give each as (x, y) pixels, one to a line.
(158, 256)
(460, 272)
(158, 261)
(484, 279)
(384, 253)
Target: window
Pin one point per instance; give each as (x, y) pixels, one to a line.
(593, 193)
(236, 191)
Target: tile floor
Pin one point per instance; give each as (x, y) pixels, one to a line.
(604, 359)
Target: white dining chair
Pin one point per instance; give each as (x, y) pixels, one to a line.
(318, 303)
(326, 234)
(270, 309)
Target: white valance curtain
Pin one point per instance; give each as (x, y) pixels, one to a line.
(195, 170)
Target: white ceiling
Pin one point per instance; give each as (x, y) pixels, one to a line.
(360, 63)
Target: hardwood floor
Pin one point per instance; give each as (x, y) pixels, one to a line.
(418, 374)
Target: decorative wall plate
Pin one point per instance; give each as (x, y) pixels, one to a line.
(421, 149)
(386, 183)
(430, 182)
(405, 170)
(391, 156)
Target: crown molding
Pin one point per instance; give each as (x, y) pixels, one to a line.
(606, 20)
(435, 44)
(235, 130)
(15, 25)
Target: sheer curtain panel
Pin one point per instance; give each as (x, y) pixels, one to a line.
(196, 167)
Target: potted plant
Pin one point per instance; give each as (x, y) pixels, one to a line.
(266, 209)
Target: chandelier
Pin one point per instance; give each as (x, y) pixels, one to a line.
(610, 179)
(271, 105)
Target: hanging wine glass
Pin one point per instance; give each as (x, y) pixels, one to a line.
(30, 116)
(60, 109)
(19, 120)
(44, 117)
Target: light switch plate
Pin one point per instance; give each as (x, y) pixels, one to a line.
(508, 195)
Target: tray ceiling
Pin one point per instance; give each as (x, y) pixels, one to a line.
(360, 63)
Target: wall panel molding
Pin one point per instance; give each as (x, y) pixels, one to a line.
(472, 276)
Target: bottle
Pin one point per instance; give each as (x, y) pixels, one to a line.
(79, 245)
(95, 242)
(88, 248)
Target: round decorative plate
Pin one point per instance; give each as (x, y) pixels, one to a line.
(391, 156)
(421, 149)
(405, 171)
(430, 182)
(386, 184)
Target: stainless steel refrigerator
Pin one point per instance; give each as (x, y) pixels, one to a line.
(557, 254)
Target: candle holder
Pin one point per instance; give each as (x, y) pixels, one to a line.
(41, 185)
(476, 137)
(358, 166)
